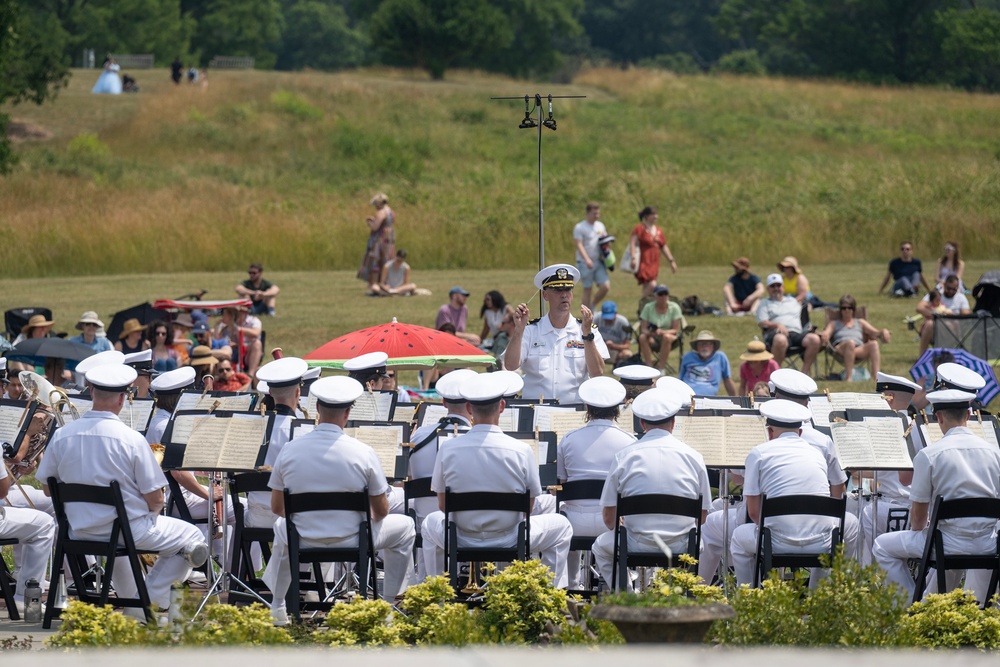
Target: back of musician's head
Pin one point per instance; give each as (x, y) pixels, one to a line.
(106, 400)
(285, 395)
(611, 413)
(330, 415)
(485, 413)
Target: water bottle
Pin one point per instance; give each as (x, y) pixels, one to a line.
(32, 602)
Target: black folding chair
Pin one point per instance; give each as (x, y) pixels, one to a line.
(652, 503)
(795, 505)
(935, 556)
(7, 583)
(244, 537)
(581, 489)
(413, 489)
(118, 543)
(478, 501)
(362, 554)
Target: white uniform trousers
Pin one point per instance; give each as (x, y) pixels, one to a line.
(604, 553)
(550, 535)
(714, 541)
(42, 503)
(884, 505)
(397, 500)
(744, 549)
(392, 536)
(36, 531)
(544, 504)
(892, 550)
(585, 522)
(168, 536)
(198, 507)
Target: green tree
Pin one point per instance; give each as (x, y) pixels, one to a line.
(436, 34)
(540, 29)
(318, 35)
(970, 49)
(241, 28)
(134, 26)
(32, 66)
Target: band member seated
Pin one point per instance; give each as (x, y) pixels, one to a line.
(486, 459)
(98, 449)
(327, 460)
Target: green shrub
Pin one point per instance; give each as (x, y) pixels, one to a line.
(746, 63)
(678, 63)
(86, 147)
(361, 621)
(88, 625)
(227, 625)
(295, 105)
(952, 620)
(520, 601)
(433, 620)
(671, 587)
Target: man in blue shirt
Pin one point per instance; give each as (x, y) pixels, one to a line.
(744, 290)
(705, 367)
(906, 272)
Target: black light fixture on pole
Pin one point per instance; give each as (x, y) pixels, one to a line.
(528, 123)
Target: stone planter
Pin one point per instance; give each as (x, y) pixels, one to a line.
(664, 624)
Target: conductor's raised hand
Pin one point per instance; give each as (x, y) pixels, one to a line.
(586, 319)
(521, 315)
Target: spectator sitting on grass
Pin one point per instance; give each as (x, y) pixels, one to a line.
(395, 278)
(744, 290)
(455, 313)
(262, 292)
(706, 366)
(616, 332)
(906, 273)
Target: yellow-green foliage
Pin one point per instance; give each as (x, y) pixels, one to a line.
(433, 620)
(952, 620)
(369, 622)
(520, 600)
(227, 625)
(88, 625)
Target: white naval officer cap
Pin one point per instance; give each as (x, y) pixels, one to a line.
(337, 391)
(140, 361)
(657, 405)
(678, 387)
(262, 388)
(284, 372)
(946, 399)
(886, 382)
(484, 389)
(114, 378)
(172, 382)
(515, 383)
(602, 392)
(312, 373)
(637, 374)
(373, 361)
(3, 364)
(557, 276)
(99, 359)
(782, 413)
(449, 387)
(955, 376)
(793, 383)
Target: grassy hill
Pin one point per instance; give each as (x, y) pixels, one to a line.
(279, 167)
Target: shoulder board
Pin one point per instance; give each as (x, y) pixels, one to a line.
(534, 321)
(592, 326)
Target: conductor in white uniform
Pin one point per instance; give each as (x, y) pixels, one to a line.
(328, 460)
(556, 353)
(98, 449)
(486, 459)
(657, 463)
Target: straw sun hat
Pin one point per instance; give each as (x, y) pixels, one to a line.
(756, 351)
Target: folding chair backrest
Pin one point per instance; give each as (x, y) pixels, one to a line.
(580, 489)
(341, 501)
(964, 508)
(802, 504)
(486, 500)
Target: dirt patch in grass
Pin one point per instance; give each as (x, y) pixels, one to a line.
(19, 131)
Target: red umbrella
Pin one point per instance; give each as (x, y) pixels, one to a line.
(408, 346)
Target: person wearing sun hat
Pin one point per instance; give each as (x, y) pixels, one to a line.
(657, 463)
(744, 290)
(757, 366)
(587, 453)
(487, 459)
(556, 353)
(959, 465)
(99, 449)
(326, 460)
(705, 367)
(203, 362)
(131, 340)
(89, 324)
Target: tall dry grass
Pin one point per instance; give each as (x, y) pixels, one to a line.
(279, 167)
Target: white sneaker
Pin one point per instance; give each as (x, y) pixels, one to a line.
(279, 616)
(196, 554)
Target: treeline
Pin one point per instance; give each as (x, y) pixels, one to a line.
(952, 42)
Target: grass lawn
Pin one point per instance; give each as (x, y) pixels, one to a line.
(316, 306)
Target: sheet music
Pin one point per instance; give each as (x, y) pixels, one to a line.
(932, 431)
(136, 415)
(405, 412)
(625, 420)
(10, 415)
(82, 406)
(181, 431)
(373, 406)
(433, 413)
(821, 408)
(559, 420)
(508, 419)
(241, 447)
(723, 442)
(704, 402)
(846, 400)
(204, 442)
(191, 400)
(385, 442)
(874, 443)
(299, 430)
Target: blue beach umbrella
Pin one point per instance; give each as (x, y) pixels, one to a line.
(925, 366)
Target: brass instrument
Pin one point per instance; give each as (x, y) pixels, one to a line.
(39, 431)
(158, 452)
(472, 586)
(60, 404)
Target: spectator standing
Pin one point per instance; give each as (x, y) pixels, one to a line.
(381, 246)
(646, 245)
(705, 367)
(744, 290)
(177, 70)
(616, 332)
(456, 313)
(589, 261)
(262, 292)
(906, 271)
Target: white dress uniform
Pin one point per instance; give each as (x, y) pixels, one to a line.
(327, 460)
(554, 361)
(835, 475)
(657, 463)
(960, 465)
(259, 514)
(486, 459)
(587, 453)
(787, 465)
(421, 462)
(98, 449)
(36, 531)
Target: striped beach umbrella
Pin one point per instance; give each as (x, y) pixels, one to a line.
(929, 360)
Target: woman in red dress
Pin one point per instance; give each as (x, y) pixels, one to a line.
(646, 245)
